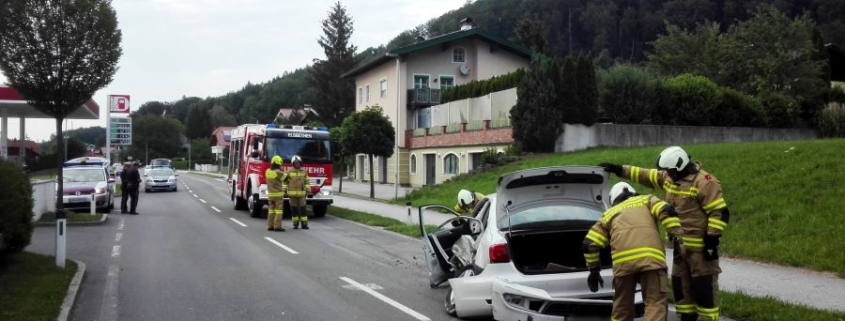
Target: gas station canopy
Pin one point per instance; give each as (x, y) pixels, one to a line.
(16, 106)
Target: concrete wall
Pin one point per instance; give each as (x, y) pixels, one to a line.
(495, 105)
(43, 198)
(579, 137)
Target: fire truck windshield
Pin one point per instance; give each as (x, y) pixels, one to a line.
(312, 151)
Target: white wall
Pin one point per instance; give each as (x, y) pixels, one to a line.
(499, 62)
(43, 198)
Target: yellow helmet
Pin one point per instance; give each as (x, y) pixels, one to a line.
(276, 160)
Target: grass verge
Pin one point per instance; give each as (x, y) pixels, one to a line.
(206, 174)
(742, 307)
(50, 217)
(379, 221)
(33, 287)
(783, 196)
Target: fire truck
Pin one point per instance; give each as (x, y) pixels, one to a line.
(253, 145)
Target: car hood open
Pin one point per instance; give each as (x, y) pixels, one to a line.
(587, 185)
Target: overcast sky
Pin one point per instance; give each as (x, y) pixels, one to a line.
(207, 48)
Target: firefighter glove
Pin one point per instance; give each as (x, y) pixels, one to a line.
(679, 252)
(711, 247)
(612, 168)
(595, 280)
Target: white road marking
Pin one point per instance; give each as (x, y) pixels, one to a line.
(115, 251)
(385, 299)
(236, 221)
(220, 179)
(195, 195)
(118, 237)
(202, 200)
(281, 245)
(120, 227)
(214, 208)
(369, 285)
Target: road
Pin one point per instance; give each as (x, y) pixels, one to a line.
(190, 256)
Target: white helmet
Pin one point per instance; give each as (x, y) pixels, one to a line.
(618, 189)
(673, 157)
(295, 159)
(465, 197)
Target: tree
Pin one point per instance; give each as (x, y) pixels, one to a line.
(587, 89)
(57, 54)
(155, 108)
(201, 152)
(198, 124)
(368, 132)
(535, 120)
(336, 96)
(221, 117)
(681, 51)
(154, 137)
(568, 100)
(531, 34)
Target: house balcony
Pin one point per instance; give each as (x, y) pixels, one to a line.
(423, 97)
(485, 132)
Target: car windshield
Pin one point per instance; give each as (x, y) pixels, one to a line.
(160, 172)
(313, 151)
(549, 214)
(83, 175)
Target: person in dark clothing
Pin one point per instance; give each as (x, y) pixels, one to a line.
(133, 181)
(124, 192)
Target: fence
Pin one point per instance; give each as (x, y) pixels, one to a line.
(579, 137)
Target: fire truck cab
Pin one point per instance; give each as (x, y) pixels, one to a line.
(252, 146)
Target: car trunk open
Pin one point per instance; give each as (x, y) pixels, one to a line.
(545, 252)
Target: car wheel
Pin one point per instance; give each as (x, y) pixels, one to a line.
(449, 302)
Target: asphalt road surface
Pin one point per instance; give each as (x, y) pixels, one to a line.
(190, 256)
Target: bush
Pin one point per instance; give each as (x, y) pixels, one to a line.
(480, 88)
(739, 109)
(836, 95)
(626, 94)
(780, 109)
(831, 120)
(490, 156)
(691, 100)
(16, 214)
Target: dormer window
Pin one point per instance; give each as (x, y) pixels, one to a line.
(459, 55)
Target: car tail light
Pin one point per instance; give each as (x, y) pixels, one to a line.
(499, 253)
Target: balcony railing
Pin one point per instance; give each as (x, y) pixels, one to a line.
(423, 97)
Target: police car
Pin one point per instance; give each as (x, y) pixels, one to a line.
(84, 177)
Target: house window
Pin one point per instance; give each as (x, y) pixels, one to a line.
(459, 55)
(450, 164)
(367, 94)
(360, 95)
(476, 160)
(413, 164)
(383, 88)
(447, 82)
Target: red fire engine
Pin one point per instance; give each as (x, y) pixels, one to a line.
(253, 145)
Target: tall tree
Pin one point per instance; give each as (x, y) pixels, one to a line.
(535, 108)
(221, 117)
(335, 98)
(153, 137)
(199, 123)
(368, 132)
(531, 33)
(587, 88)
(568, 100)
(57, 54)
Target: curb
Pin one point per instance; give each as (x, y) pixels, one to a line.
(364, 198)
(72, 292)
(100, 222)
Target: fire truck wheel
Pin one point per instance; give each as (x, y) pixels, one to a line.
(319, 210)
(254, 206)
(240, 204)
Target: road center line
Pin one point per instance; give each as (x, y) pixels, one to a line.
(195, 195)
(202, 200)
(214, 208)
(115, 251)
(120, 227)
(385, 299)
(238, 222)
(118, 236)
(281, 245)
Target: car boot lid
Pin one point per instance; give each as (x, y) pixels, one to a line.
(587, 185)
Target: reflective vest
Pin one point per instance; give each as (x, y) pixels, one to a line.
(296, 182)
(274, 179)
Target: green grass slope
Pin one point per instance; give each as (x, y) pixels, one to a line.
(786, 198)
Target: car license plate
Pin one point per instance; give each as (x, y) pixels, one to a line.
(79, 199)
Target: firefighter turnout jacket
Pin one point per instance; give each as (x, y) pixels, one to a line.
(697, 198)
(630, 229)
(296, 182)
(274, 178)
(460, 209)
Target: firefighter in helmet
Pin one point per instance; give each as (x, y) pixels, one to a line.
(467, 200)
(275, 194)
(629, 228)
(697, 197)
(297, 187)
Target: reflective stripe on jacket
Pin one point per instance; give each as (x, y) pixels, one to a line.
(296, 183)
(274, 179)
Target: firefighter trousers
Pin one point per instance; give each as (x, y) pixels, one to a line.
(655, 287)
(274, 213)
(297, 210)
(695, 283)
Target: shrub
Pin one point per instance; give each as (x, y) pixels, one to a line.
(780, 109)
(836, 95)
(626, 94)
(739, 109)
(16, 214)
(480, 88)
(690, 100)
(490, 156)
(831, 120)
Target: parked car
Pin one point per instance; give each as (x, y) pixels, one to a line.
(519, 257)
(161, 178)
(84, 177)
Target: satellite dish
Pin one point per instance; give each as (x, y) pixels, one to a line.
(464, 69)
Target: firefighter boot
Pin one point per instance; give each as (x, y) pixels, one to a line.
(296, 225)
(305, 225)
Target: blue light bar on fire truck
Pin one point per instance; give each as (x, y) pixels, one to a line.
(272, 126)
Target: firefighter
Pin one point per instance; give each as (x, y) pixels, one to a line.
(697, 196)
(467, 200)
(297, 187)
(275, 194)
(630, 229)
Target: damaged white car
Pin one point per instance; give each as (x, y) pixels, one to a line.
(519, 257)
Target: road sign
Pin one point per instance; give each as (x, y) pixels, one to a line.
(121, 142)
(119, 104)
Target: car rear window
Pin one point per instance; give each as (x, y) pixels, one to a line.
(549, 214)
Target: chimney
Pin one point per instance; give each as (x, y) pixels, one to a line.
(419, 39)
(466, 23)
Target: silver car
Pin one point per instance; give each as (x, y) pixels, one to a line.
(160, 179)
(519, 257)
